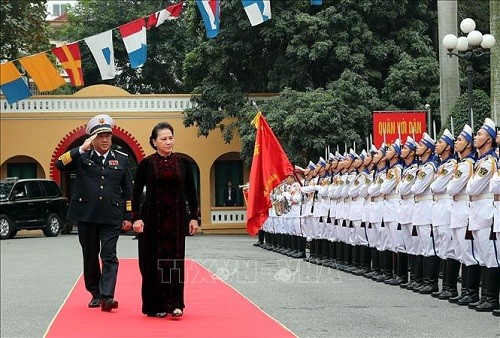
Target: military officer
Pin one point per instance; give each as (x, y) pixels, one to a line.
(495, 189)
(481, 217)
(101, 205)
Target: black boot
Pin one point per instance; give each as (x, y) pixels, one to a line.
(260, 240)
(452, 271)
(432, 269)
(312, 251)
(301, 247)
(411, 264)
(340, 256)
(473, 280)
(295, 246)
(389, 266)
(419, 274)
(383, 267)
(493, 283)
(444, 276)
(463, 288)
(402, 270)
(484, 289)
(375, 267)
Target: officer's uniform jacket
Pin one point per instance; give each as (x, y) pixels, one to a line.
(365, 182)
(340, 211)
(457, 189)
(308, 199)
(376, 197)
(388, 189)
(322, 196)
(331, 194)
(407, 202)
(481, 200)
(351, 177)
(495, 189)
(294, 197)
(421, 189)
(103, 192)
(358, 196)
(441, 210)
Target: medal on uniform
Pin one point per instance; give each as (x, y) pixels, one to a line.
(113, 162)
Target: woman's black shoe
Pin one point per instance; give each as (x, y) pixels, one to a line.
(157, 314)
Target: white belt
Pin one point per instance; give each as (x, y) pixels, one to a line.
(407, 197)
(462, 197)
(481, 197)
(438, 197)
(423, 198)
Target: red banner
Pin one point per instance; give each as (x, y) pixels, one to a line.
(389, 125)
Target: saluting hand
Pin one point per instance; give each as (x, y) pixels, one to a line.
(87, 145)
(138, 226)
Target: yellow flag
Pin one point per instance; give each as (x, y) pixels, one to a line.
(42, 71)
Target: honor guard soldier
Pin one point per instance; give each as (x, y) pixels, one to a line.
(405, 215)
(394, 236)
(308, 191)
(441, 211)
(376, 215)
(100, 204)
(464, 147)
(422, 216)
(495, 189)
(374, 264)
(481, 217)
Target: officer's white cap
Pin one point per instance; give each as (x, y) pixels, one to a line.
(410, 143)
(490, 127)
(100, 124)
(397, 146)
(322, 162)
(448, 138)
(428, 141)
(467, 133)
(373, 149)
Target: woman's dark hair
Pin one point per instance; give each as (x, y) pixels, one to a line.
(158, 127)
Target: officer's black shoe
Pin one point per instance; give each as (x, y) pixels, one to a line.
(369, 274)
(406, 285)
(436, 294)
(108, 304)
(428, 289)
(397, 281)
(381, 278)
(489, 305)
(476, 304)
(469, 298)
(418, 286)
(496, 312)
(258, 244)
(95, 302)
(448, 294)
(457, 297)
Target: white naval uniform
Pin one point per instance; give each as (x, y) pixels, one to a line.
(350, 231)
(323, 206)
(307, 208)
(358, 192)
(376, 210)
(394, 238)
(460, 206)
(482, 209)
(407, 204)
(340, 212)
(441, 210)
(495, 189)
(332, 189)
(422, 213)
(294, 197)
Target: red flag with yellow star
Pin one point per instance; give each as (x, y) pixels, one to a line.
(69, 56)
(270, 166)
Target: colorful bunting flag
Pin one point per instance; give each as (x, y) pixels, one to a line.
(210, 12)
(12, 85)
(257, 11)
(69, 56)
(101, 47)
(134, 38)
(169, 13)
(42, 71)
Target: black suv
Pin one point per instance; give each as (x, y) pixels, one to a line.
(31, 204)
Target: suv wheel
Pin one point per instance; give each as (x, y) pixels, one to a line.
(53, 226)
(6, 227)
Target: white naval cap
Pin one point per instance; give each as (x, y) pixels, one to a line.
(490, 127)
(339, 156)
(410, 143)
(331, 157)
(428, 141)
(373, 149)
(311, 165)
(397, 146)
(467, 133)
(100, 124)
(383, 148)
(448, 138)
(322, 162)
(363, 154)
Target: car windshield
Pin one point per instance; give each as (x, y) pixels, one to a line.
(5, 188)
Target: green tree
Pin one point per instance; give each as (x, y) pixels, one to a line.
(24, 30)
(460, 111)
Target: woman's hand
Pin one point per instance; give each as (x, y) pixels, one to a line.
(193, 226)
(138, 226)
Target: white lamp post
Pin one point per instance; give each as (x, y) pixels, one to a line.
(469, 47)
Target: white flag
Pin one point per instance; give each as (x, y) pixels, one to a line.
(257, 11)
(101, 46)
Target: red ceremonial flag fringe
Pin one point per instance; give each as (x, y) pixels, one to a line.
(270, 166)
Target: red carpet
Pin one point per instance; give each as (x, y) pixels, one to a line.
(213, 309)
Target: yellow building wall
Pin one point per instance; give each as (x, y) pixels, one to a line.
(36, 135)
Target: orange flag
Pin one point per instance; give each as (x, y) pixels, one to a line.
(270, 166)
(69, 56)
(42, 71)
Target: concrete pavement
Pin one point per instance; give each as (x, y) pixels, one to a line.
(37, 273)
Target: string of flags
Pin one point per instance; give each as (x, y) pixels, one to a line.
(134, 35)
